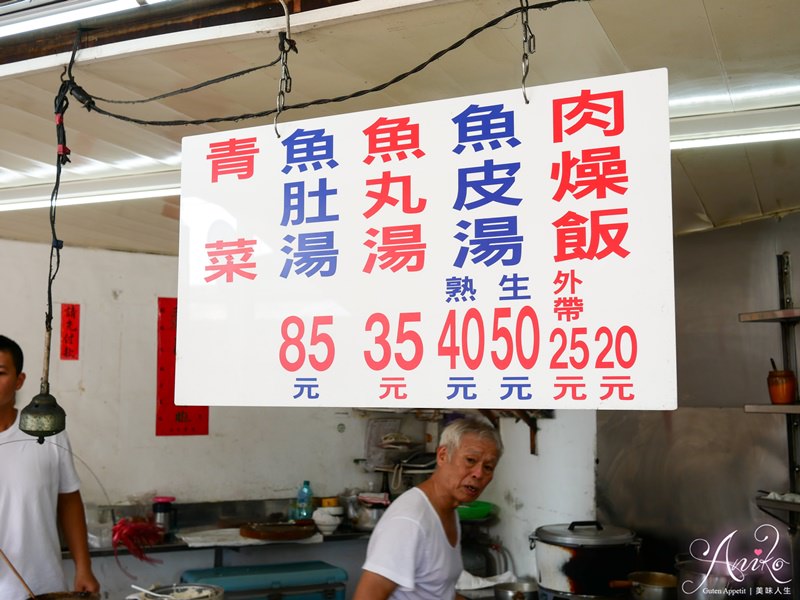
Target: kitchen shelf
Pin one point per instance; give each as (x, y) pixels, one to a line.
(787, 316)
(340, 535)
(404, 470)
(783, 315)
(775, 409)
(763, 502)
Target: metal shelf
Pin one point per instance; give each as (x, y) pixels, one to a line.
(787, 317)
(783, 315)
(763, 502)
(775, 409)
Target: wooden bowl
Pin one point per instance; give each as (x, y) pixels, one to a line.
(278, 531)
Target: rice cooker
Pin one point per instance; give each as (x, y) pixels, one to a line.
(584, 557)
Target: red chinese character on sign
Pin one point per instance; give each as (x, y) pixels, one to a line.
(572, 384)
(573, 242)
(618, 385)
(401, 247)
(383, 196)
(393, 135)
(564, 279)
(598, 170)
(232, 157)
(394, 386)
(568, 308)
(230, 259)
(604, 111)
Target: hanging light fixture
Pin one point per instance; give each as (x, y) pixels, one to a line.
(43, 417)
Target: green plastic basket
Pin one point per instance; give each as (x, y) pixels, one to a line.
(474, 511)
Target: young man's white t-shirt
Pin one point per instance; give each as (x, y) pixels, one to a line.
(32, 475)
(410, 547)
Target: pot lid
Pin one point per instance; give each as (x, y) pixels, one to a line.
(584, 533)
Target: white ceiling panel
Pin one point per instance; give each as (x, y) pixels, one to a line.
(722, 56)
(760, 50)
(722, 178)
(678, 35)
(688, 215)
(776, 172)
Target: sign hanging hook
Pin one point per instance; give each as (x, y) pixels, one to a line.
(528, 46)
(285, 44)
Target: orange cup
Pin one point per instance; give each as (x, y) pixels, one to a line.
(782, 386)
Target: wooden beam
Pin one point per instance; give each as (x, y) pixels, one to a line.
(147, 21)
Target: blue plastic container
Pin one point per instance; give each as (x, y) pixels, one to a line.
(311, 580)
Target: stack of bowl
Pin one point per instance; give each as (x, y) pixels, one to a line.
(328, 518)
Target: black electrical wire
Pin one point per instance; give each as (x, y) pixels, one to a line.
(89, 103)
(192, 88)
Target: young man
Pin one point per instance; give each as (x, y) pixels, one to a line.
(414, 552)
(38, 493)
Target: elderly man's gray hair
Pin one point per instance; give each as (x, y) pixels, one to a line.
(475, 425)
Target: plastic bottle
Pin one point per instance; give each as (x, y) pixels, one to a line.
(305, 501)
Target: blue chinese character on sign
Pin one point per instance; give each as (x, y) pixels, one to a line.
(306, 386)
(519, 387)
(479, 124)
(462, 386)
(312, 147)
(315, 254)
(494, 239)
(514, 286)
(460, 289)
(294, 203)
(487, 182)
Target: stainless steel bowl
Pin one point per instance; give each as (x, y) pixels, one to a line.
(188, 591)
(516, 590)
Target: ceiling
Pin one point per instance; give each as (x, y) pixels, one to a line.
(732, 64)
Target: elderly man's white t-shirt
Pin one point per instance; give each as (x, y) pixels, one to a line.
(410, 547)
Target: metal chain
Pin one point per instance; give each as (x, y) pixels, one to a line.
(528, 46)
(285, 86)
(285, 43)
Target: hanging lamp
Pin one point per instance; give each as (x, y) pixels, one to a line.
(43, 417)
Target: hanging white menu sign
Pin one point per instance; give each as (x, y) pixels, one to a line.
(475, 252)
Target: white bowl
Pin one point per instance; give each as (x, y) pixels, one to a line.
(326, 522)
(327, 528)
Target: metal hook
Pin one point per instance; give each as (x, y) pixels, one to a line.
(286, 12)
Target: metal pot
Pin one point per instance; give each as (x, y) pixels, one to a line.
(697, 581)
(188, 591)
(583, 557)
(368, 517)
(649, 585)
(516, 590)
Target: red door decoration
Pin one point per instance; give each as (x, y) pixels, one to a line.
(171, 419)
(70, 331)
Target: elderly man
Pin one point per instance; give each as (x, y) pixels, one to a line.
(414, 552)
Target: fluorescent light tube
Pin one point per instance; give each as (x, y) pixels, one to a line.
(90, 199)
(58, 15)
(729, 140)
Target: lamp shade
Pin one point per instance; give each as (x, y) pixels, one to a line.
(43, 417)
